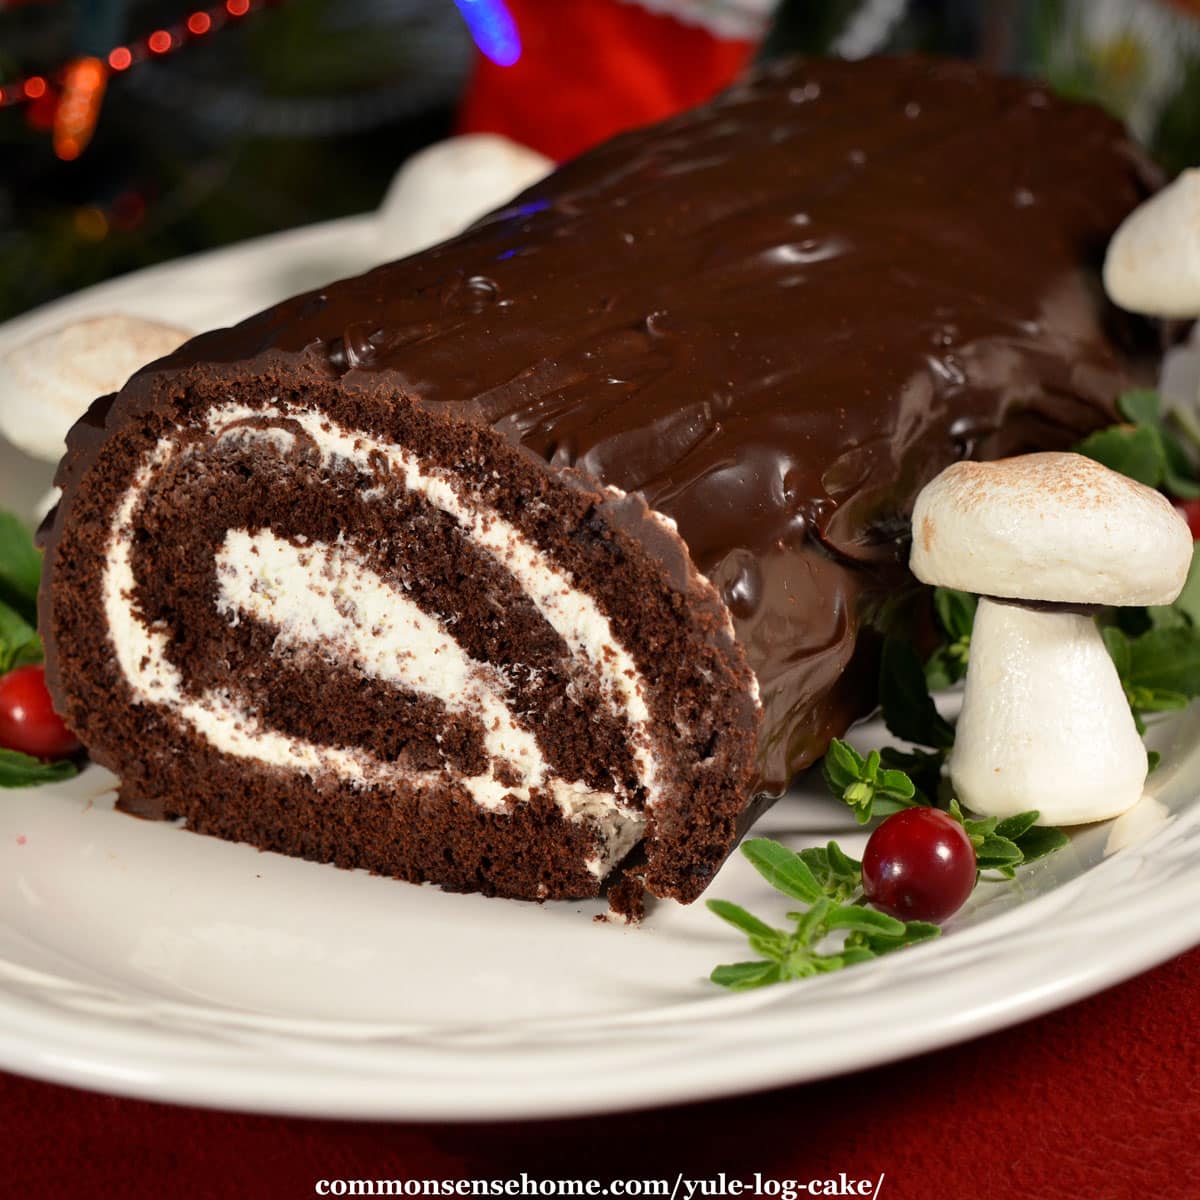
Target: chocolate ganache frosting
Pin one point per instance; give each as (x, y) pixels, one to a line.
(776, 318)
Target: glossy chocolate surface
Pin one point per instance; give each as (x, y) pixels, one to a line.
(777, 317)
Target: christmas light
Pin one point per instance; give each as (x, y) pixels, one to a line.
(40, 90)
(90, 224)
(79, 106)
(493, 28)
(127, 211)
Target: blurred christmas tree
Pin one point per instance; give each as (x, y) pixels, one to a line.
(218, 123)
(251, 119)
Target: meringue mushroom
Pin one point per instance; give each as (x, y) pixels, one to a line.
(1043, 539)
(48, 382)
(442, 189)
(1153, 261)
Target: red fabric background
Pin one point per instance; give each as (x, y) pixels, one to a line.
(1100, 1101)
(591, 68)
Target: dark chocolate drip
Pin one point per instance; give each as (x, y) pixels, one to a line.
(776, 317)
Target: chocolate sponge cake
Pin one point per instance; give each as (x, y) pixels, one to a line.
(576, 534)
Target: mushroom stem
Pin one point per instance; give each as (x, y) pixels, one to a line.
(1045, 724)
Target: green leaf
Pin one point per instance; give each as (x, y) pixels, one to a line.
(994, 852)
(739, 918)
(955, 611)
(940, 670)
(1153, 758)
(852, 955)
(1135, 451)
(21, 770)
(19, 642)
(883, 943)
(799, 965)
(1148, 451)
(741, 977)
(842, 766)
(20, 567)
(812, 926)
(977, 827)
(1159, 670)
(1165, 660)
(816, 858)
(1179, 477)
(1140, 405)
(1143, 699)
(866, 920)
(783, 869)
(895, 785)
(32, 652)
(885, 807)
(838, 875)
(908, 709)
(843, 866)
(923, 767)
(774, 946)
(920, 931)
(1042, 840)
(1015, 826)
(1185, 419)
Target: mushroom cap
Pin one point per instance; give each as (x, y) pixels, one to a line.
(1050, 527)
(1153, 261)
(46, 384)
(442, 189)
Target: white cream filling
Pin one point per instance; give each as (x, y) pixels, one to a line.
(568, 610)
(327, 596)
(324, 597)
(141, 652)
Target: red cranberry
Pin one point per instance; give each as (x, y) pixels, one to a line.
(1189, 510)
(919, 865)
(28, 722)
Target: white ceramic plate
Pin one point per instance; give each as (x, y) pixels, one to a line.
(138, 958)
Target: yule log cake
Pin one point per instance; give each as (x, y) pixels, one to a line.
(575, 533)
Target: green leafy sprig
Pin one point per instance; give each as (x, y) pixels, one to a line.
(1159, 669)
(20, 770)
(1003, 844)
(20, 568)
(956, 615)
(20, 573)
(907, 707)
(1156, 650)
(1147, 449)
(826, 880)
(870, 791)
(868, 787)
